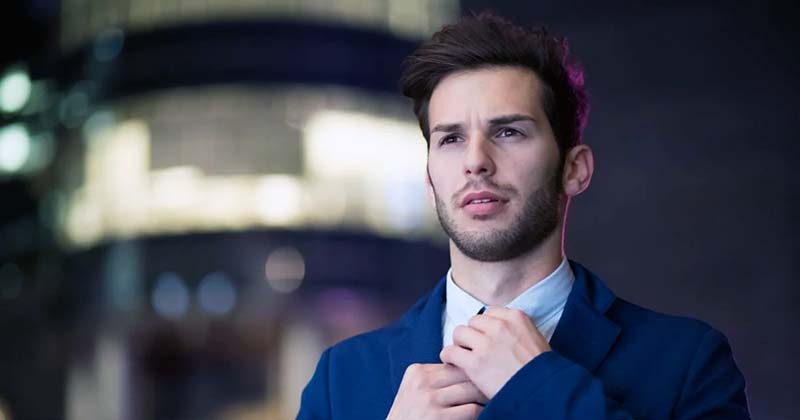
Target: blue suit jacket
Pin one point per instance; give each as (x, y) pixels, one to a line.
(610, 359)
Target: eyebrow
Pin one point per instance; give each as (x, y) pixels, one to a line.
(508, 119)
(503, 119)
(446, 128)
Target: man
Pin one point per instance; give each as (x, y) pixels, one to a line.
(515, 330)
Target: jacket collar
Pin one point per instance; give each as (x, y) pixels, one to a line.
(583, 335)
(421, 341)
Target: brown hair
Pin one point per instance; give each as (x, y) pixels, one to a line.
(488, 40)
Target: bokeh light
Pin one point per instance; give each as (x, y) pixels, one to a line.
(15, 147)
(279, 199)
(216, 293)
(285, 269)
(170, 297)
(15, 89)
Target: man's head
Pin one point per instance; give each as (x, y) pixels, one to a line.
(487, 40)
(502, 114)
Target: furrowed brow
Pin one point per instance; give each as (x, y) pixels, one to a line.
(508, 119)
(446, 128)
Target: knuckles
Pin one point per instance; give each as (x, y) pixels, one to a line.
(414, 369)
(500, 326)
(445, 354)
(519, 316)
(415, 375)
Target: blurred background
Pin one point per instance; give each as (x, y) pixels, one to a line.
(198, 196)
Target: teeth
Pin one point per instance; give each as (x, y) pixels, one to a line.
(480, 201)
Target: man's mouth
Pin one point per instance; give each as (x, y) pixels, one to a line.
(481, 197)
(481, 200)
(483, 204)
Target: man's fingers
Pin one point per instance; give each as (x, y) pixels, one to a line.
(468, 337)
(436, 391)
(446, 375)
(462, 412)
(485, 323)
(496, 319)
(457, 356)
(509, 314)
(459, 394)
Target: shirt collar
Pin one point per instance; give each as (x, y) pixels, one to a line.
(540, 302)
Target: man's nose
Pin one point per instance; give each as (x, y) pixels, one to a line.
(478, 160)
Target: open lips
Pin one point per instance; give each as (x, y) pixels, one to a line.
(483, 203)
(481, 197)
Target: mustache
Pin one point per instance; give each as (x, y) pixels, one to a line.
(484, 184)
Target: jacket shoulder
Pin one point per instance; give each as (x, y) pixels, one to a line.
(637, 319)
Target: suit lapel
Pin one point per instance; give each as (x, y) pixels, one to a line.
(421, 341)
(584, 335)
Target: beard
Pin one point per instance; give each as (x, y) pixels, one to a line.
(535, 222)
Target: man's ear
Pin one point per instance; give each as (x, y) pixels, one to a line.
(578, 170)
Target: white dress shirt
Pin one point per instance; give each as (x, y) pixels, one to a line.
(543, 302)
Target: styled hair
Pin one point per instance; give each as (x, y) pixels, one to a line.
(487, 40)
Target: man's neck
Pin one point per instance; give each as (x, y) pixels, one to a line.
(498, 283)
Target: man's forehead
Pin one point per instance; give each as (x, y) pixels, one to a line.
(489, 92)
(497, 76)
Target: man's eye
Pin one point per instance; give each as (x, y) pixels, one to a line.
(448, 140)
(508, 132)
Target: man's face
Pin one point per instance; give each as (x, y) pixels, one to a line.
(493, 164)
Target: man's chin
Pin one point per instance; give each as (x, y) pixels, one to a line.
(479, 221)
(479, 236)
(478, 249)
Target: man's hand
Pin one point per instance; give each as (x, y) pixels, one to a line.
(494, 346)
(436, 391)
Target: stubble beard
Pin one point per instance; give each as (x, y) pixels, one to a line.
(536, 222)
